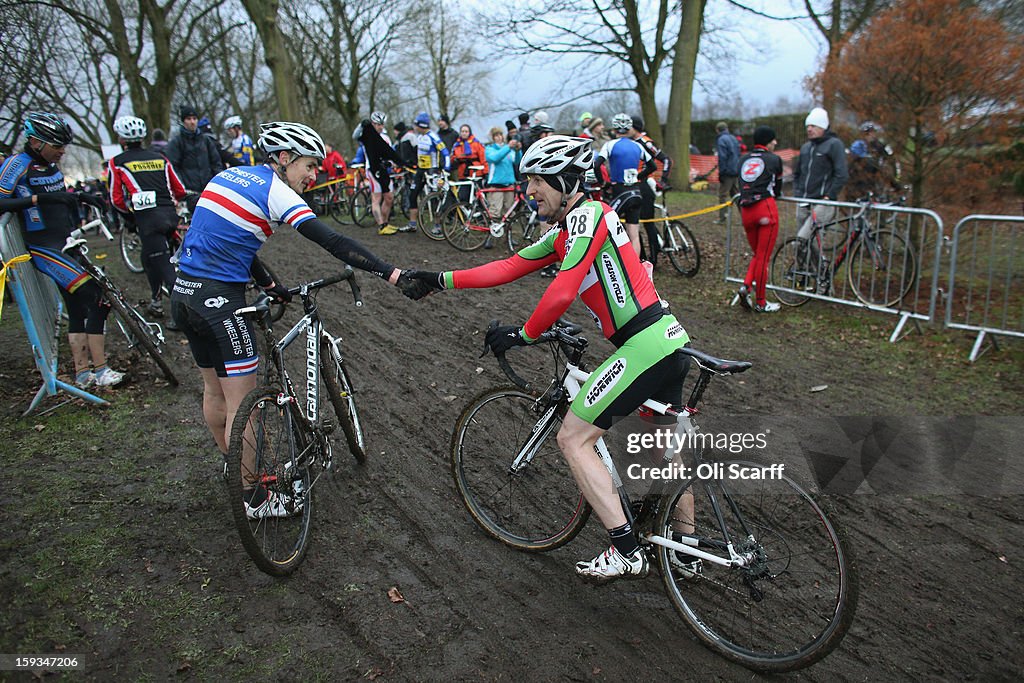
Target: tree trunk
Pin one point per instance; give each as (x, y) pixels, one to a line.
(680, 102)
(264, 15)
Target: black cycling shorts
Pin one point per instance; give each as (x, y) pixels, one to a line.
(204, 310)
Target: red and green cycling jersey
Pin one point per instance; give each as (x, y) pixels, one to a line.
(598, 263)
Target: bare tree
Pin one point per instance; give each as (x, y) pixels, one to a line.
(680, 103)
(276, 55)
(350, 46)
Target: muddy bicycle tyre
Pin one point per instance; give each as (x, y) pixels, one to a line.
(795, 600)
(464, 226)
(131, 249)
(280, 445)
(342, 397)
(361, 207)
(884, 272)
(138, 334)
(685, 256)
(430, 211)
(792, 268)
(536, 508)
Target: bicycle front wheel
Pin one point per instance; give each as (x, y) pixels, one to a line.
(342, 396)
(882, 268)
(518, 231)
(464, 226)
(139, 334)
(511, 475)
(269, 452)
(681, 248)
(131, 249)
(792, 269)
(362, 207)
(792, 601)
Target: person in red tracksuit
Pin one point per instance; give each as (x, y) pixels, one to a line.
(760, 183)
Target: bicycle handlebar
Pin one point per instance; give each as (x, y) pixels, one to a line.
(262, 302)
(563, 331)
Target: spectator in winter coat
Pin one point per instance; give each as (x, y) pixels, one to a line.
(159, 143)
(445, 131)
(728, 150)
(194, 156)
(821, 172)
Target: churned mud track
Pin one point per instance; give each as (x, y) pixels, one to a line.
(936, 599)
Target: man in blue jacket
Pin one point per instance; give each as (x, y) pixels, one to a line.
(728, 149)
(821, 172)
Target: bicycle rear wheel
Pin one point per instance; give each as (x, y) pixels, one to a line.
(794, 600)
(524, 497)
(518, 230)
(139, 334)
(430, 212)
(362, 207)
(131, 249)
(464, 226)
(681, 248)
(342, 396)
(792, 268)
(279, 445)
(882, 271)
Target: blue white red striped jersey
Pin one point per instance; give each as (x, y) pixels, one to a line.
(236, 213)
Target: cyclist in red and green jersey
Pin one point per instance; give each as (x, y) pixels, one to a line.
(600, 264)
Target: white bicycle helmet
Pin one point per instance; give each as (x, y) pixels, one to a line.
(130, 128)
(378, 117)
(292, 137)
(232, 122)
(558, 155)
(622, 122)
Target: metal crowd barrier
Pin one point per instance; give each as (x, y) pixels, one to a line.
(986, 278)
(40, 304)
(920, 228)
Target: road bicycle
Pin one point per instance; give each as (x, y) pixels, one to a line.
(675, 240)
(138, 332)
(469, 225)
(280, 438)
(360, 202)
(881, 264)
(438, 194)
(755, 567)
(333, 199)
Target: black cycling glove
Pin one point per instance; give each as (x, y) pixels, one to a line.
(435, 281)
(504, 337)
(279, 293)
(92, 199)
(66, 198)
(414, 288)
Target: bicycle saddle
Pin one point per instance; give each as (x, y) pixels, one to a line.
(717, 365)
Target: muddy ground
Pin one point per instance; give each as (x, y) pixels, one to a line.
(117, 544)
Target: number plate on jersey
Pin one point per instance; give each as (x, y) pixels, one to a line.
(144, 200)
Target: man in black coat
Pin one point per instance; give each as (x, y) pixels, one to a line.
(193, 155)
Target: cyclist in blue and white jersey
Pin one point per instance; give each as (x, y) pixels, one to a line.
(32, 187)
(241, 144)
(431, 155)
(236, 213)
(625, 157)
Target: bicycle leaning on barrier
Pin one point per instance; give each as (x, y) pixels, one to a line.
(881, 264)
(280, 438)
(755, 568)
(139, 332)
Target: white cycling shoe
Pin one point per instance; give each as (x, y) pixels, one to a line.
(274, 505)
(611, 565)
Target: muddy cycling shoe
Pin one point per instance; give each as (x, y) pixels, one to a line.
(85, 378)
(686, 566)
(611, 565)
(155, 308)
(411, 227)
(261, 503)
(769, 307)
(106, 377)
(745, 298)
(549, 271)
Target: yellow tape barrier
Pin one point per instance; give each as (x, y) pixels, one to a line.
(710, 209)
(3, 276)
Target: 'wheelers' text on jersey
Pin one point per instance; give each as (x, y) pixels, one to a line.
(235, 215)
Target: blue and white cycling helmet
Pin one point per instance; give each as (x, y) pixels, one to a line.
(232, 122)
(297, 138)
(422, 120)
(130, 128)
(48, 128)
